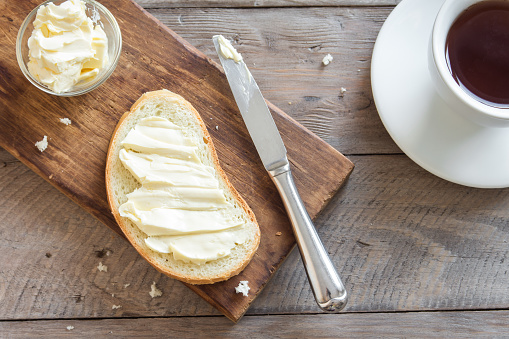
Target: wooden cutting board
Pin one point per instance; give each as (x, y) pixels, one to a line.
(154, 57)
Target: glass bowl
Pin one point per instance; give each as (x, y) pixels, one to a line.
(100, 16)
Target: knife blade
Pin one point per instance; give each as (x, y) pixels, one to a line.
(329, 292)
(260, 125)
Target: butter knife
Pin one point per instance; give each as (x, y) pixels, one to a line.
(329, 292)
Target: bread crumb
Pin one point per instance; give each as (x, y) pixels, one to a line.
(70, 328)
(243, 288)
(102, 268)
(342, 90)
(115, 307)
(113, 295)
(65, 121)
(289, 102)
(278, 233)
(154, 291)
(217, 128)
(327, 59)
(50, 176)
(43, 144)
(127, 285)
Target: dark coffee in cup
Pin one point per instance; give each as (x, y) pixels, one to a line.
(477, 52)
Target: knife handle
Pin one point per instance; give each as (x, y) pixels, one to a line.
(329, 292)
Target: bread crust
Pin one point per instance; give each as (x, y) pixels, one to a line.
(122, 222)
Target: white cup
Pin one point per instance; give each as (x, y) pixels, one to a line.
(447, 87)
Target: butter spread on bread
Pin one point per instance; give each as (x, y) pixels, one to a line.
(170, 196)
(179, 205)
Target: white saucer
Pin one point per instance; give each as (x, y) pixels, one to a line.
(418, 120)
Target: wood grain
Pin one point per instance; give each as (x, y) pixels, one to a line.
(400, 325)
(407, 240)
(402, 239)
(75, 159)
(285, 57)
(54, 248)
(262, 3)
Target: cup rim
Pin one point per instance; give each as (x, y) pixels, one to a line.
(438, 37)
(111, 67)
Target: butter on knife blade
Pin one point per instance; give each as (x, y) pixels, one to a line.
(254, 110)
(227, 50)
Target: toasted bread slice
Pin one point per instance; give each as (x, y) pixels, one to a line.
(120, 182)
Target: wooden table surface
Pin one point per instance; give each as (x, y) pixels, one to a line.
(419, 256)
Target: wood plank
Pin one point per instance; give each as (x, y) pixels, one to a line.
(376, 275)
(284, 48)
(53, 249)
(401, 325)
(263, 3)
(407, 240)
(154, 57)
(401, 238)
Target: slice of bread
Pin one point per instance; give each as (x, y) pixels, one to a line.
(120, 182)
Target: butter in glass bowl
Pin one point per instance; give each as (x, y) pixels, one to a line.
(68, 48)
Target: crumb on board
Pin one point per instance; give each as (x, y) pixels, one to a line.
(243, 288)
(116, 307)
(278, 233)
(154, 291)
(327, 59)
(102, 268)
(43, 144)
(289, 102)
(342, 90)
(65, 121)
(126, 285)
(113, 295)
(70, 328)
(217, 128)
